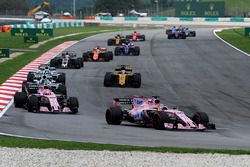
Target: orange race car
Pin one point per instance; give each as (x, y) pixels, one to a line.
(98, 54)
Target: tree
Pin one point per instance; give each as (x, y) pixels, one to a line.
(13, 4)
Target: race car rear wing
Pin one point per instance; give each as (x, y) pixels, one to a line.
(122, 101)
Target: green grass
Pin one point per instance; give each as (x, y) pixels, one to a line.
(44, 144)
(236, 37)
(7, 41)
(8, 68)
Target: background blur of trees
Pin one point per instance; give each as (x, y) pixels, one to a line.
(161, 8)
(13, 7)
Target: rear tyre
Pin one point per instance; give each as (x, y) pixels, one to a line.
(159, 119)
(62, 90)
(53, 63)
(110, 42)
(81, 61)
(137, 80)
(33, 104)
(77, 64)
(114, 116)
(143, 37)
(30, 77)
(137, 51)
(107, 79)
(73, 104)
(85, 56)
(61, 78)
(127, 37)
(20, 99)
(111, 55)
(117, 51)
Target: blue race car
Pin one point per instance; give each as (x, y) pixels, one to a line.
(127, 49)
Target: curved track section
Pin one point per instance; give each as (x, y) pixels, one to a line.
(197, 74)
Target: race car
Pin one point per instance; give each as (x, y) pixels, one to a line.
(135, 36)
(180, 33)
(49, 72)
(98, 54)
(149, 112)
(118, 40)
(40, 98)
(122, 77)
(68, 59)
(127, 49)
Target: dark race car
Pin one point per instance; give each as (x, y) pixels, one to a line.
(67, 60)
(122, 77)
(98, 54)
(150, 112)
(180, 33)
(135, 36)
(41, 98)
(45, 70)
(127, 49)
(118, 40)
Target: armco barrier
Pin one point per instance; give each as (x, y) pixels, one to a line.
(131, 18)
(203, 19)
(159, 19)
(212, 19)
(139, 20)
(237, 19)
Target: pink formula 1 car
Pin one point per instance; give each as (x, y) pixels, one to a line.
(43, 99)
(150, 112)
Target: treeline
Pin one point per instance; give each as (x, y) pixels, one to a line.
(114, 6)
(13, 5)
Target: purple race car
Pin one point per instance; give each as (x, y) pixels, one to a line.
(127, 49)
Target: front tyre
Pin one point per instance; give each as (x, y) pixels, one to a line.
(159, 119)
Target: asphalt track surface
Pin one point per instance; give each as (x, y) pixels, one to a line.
(196, 74)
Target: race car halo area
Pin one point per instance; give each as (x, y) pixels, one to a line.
(200, 74)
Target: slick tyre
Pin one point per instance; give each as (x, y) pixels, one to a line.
(107, 79)
(73, 104)
(113, 116)
(159, 119)
(77, 64)
(200, 118)
(30, 77)
(62, 90)
(143, 37)
(33, 104)
(110, 42)
(137, 80)
(137, 51)
(61, 78)
(117, 51)
(53, 63)
(20, 99)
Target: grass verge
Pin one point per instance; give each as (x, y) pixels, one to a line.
(237, 38)
(6, 141)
